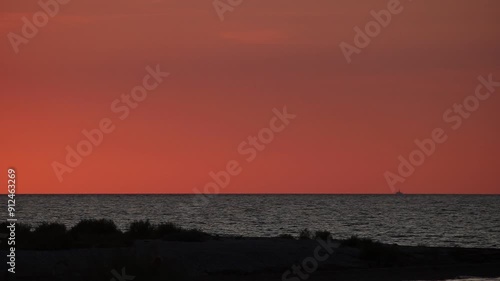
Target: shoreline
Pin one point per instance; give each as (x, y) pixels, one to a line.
(97, 250)
(255, 259)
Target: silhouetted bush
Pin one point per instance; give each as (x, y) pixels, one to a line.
(322, 235)
(165, 229)
(51, 236)
(356, 242)
(305, 234)
(93, 226)
(373, 250)
(96, 233)
(350, 242)
(53, 227)
(23, 234)
(141, 230)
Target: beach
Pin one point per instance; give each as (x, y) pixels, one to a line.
(257, 259)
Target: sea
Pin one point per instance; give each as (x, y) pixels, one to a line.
(431, 220)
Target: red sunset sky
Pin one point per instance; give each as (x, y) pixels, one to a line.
(353, 120)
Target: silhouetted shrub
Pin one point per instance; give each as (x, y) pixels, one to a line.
(356, 242)
(93, 226)
(53, 228)
(167, 228)
(373, 250)
(141, 230)
(322, 235)
(97, 233)
(305, 234)
(353, 241)
(51, 236)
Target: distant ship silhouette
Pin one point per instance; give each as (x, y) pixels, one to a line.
(399, 192)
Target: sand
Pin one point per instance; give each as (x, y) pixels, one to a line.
(254, 259)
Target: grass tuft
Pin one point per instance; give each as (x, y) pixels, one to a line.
(322, 235)
(305, 234)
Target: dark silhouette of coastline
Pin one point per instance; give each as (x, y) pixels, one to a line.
(97, 250)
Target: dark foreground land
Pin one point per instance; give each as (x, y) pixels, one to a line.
(97, 250)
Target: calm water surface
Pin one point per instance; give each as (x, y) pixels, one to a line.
(435, 220)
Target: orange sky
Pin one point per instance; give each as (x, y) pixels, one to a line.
(353, 120)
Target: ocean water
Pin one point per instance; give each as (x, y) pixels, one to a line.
(434, 220)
